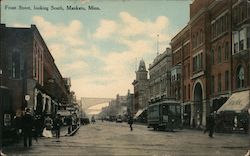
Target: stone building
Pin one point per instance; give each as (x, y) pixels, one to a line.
(141, 88)
(213, 52)
(159, 77)
(29, 70)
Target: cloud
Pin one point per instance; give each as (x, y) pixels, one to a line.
(93, 71)
(67, 33)
(105, 30)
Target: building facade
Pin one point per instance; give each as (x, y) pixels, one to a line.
(29, 71)
(141, 88)
(160, 77)
(213, 52)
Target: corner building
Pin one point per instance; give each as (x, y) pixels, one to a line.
(28, 68)
(213, 51)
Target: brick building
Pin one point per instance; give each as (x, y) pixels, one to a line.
(28, 69)
(213, 52)
(181, 71)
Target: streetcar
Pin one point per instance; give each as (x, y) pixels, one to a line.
(164, 115)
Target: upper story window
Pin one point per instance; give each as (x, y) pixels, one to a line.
(219, 54)
(241, 40)
(220, 25)
(235, 42)
(248, 37)
(197, 62)
(240, 12)
(212, 56)
(240, 77)
(201, 36)
(226, 51)
(16, 65)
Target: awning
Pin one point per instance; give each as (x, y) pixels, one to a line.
(237, 102)
(138, 113)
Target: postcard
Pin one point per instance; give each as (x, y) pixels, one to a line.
(125, 77)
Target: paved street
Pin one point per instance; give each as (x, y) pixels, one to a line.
(116, 139)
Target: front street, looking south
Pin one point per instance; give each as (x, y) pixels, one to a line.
(109, 138)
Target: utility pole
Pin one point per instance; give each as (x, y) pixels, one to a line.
(157, 44)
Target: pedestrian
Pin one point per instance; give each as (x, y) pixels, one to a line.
(37, 126)
(210, 125)
(93, 120)
(48, 127)
(17, 122)
(130, 122)
(28, 122)
(57, 125)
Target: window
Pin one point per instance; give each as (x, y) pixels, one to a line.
(226, 80)
(184, 94)
(248, 36)
(201, 36)
(242, 38)
(219, 54)
(197, 62)
(197, 39)
(212, 84)
(248, 9)
(240, 77)
(235, 42)
(212, 57)
(226, 51)
(219, 83)
(193, 42)
(16, 65)
(188, 91)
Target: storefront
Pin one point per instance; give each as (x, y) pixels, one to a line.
(233, 115)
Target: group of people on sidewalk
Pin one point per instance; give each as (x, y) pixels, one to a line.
(34, 126)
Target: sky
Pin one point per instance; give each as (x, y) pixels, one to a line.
(100, 49)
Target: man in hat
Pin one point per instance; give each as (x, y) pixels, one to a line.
(28, 122)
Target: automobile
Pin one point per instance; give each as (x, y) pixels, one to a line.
(85, 121)
(119, 119)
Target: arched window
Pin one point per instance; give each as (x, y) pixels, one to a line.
(240, 77)
(201, 36)
(226, 51)
(219, 54)
(212, 56)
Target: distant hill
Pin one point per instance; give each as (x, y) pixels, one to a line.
(90, 101)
